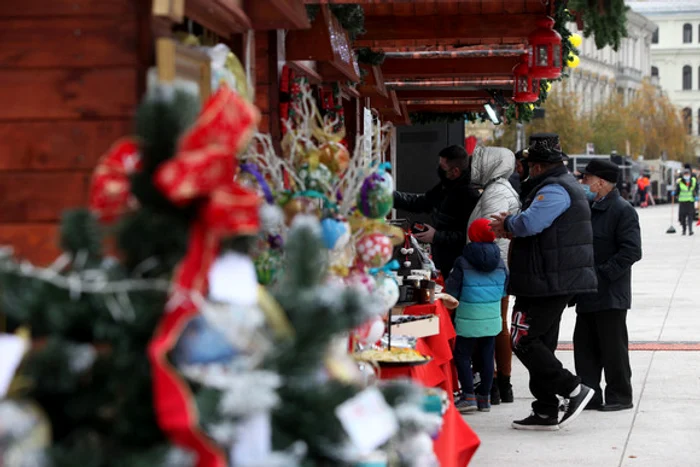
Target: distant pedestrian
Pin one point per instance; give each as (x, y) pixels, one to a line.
(687, 191)
(600, 335)
(551, 262)
(478, 280)
(643, 191)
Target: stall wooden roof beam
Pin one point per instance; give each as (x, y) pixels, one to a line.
(397, 68)
(406, 95)
(445, 7)
(473, 27)
(472, 83)
(479, 51)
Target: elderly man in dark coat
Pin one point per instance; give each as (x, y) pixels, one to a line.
(600, 336)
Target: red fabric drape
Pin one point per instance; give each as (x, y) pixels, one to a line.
(457, 442)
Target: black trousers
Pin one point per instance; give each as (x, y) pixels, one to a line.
(535, 334)
(601, 345)
(686, 214)
(473, 349)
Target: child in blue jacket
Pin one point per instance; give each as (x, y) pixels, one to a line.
(478, 279)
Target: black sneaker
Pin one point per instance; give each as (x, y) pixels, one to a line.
(576, 405)
(537, 423)
(495, 394)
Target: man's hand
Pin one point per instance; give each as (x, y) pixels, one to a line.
(498, 225)
(427, 236)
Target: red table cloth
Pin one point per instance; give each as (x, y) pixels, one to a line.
(457, 442)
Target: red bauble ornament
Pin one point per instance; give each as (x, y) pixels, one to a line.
(545, 51)
(374, 250)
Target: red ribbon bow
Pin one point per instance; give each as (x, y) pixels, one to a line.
(202, 172)
(110, 193)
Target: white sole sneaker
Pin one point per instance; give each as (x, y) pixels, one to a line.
(535, 427)
(587, 398)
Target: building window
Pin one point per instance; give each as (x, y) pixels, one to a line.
(687, 33)
(688, 120)
(654, 71)
(687, 78)
(655, 37)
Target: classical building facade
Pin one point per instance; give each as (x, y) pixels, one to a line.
(675, 55)
(603, 72)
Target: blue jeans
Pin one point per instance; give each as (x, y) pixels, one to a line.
(465, 349)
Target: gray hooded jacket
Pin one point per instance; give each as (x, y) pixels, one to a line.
(491, 168)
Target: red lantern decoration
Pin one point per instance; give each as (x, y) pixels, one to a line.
(526, 89)
(545, 51)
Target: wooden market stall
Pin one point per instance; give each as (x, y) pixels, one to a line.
(73, 71)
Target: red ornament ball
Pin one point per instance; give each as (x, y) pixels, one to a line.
(374, 250)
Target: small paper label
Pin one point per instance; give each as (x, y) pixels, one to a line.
(12, 349)
(254, 441)
(368, 420)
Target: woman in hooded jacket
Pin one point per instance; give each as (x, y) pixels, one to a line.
(491, 168)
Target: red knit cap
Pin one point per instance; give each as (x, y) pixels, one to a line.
(480, 231)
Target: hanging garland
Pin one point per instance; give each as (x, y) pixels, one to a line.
(605, 20)
(332, 106)
(351, 17)
(369, 56)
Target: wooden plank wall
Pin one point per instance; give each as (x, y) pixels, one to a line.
(71, 73)
(267, 94)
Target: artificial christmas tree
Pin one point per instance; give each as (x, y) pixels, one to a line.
(163, 353)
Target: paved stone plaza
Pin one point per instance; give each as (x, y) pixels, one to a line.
(663, 429)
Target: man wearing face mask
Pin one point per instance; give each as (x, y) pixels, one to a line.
(600, 335)
(450, 203)
(520, 173)
(551, 262)
(687, 190)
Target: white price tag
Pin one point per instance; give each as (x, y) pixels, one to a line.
(12, 349)
(253, 441)
(368, 420)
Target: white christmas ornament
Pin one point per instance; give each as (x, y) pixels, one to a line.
(370, 332)
(232, 279)
(376, 331)
(360, 281)
(386, 292)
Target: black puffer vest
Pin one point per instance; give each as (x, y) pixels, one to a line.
(559, 260)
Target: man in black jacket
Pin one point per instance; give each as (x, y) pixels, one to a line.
(451, 202)
(551, 262)
(600, 336)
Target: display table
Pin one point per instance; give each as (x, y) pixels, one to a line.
(457, 442)
(440, 372)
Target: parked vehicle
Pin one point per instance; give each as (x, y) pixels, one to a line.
(662, 175)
